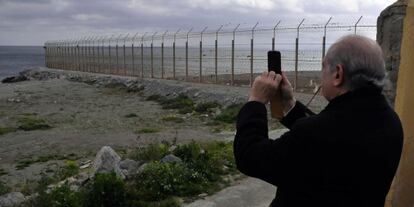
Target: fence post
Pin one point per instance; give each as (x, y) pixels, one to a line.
(124, 54)
(324, 38)
(216, 54)
(78, 46)
(274, 35)
(162, 55)
(232, 54)
(93, 55)
(175, 34)
(186, 56)
(200, 79)
(88, 52)
(109, 52)
(152, 54)
(103, 55)
(251, 54)
(117, 54)
(142, 55)
(84, 42)
(296, 55)
(356, 24)
(133, 55)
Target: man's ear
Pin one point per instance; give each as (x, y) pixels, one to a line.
(338, 78)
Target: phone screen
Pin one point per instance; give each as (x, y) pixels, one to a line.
(274, 61)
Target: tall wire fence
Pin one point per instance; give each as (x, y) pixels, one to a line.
(224, 55)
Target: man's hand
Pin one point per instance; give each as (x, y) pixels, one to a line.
(288, 100)
(265, 86)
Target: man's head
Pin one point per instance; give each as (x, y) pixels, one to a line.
(352, 62)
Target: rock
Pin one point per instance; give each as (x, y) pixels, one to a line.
(171, 159)
(203, 195)
(141, 168)
(12, 199)
(107, 161)
(129, 167)
(85, 164)
(14, 79)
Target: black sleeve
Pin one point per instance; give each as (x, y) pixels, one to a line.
(258, 156)
(298, 111)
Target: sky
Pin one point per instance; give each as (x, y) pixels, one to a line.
(33, 22)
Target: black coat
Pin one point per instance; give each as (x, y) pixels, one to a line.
(345, 156)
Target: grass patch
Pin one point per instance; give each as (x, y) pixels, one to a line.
(148, 130)
(151, 152)
(70, 168)
(4, 189)
(204, 167)
(182, 103)
(29, 123)
(6, 130)
(131, 115)
(229, 114)
(172, 118)
(3, 172)
(21, 164)
(207, 107)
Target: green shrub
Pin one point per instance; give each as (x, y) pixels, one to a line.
(4, 188)
(172, 118)
(61, 196)
(229, 115)
(131, 115)
(181, 102)
(106, 190)
(148, 130)
(206, 107)
(5, 130)
(70, 169)
(156, 97)
(159, 181)
(150, 153)
(30, 123)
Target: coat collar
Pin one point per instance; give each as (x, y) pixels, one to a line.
(362, 97)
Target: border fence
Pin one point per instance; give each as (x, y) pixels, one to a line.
(229, 54)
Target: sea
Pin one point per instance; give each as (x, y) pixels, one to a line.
(14, 59)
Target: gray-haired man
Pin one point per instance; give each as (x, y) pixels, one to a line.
(347, 154)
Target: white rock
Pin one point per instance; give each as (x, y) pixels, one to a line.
(12, 199)
(107, 161)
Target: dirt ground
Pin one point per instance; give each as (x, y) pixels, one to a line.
(83, 118)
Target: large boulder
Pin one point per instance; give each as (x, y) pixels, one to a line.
(12, 199)
(14, 79)
(171, 159)
(107, 161)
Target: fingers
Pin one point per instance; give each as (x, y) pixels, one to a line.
(285, 80)
(278, 78)
(272, 75)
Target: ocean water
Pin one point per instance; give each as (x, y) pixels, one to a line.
(14, 59)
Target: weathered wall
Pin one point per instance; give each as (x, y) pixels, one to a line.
(399, 53)
(389, 35)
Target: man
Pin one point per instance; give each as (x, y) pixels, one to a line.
(346, 155)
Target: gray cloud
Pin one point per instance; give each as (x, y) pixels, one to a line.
(24, 22)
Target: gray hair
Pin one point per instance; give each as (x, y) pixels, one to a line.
(362, 60)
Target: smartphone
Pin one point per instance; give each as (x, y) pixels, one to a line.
(274, 61)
